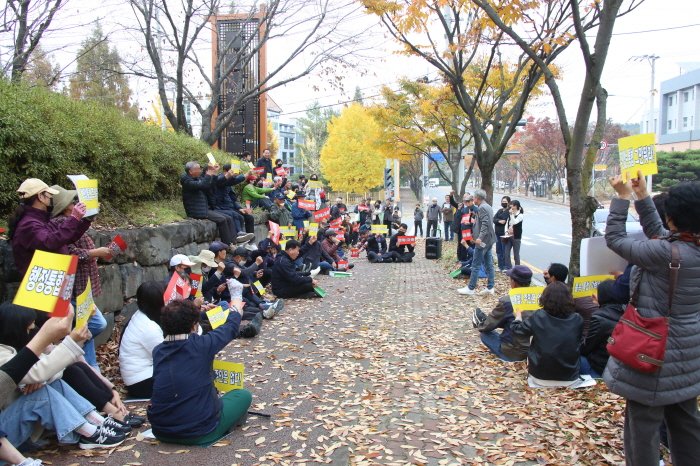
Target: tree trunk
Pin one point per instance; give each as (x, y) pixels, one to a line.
(487, 181)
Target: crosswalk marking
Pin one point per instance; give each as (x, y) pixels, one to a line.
(565, 235)
(527, 243)
(556, 243)
(544, 236)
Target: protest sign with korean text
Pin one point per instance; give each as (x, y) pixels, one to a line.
(322, 214)
(228, 375)
(307, 204)
(588, 286)
(314, 184)
(84, 306)
(178, 289)
(259, 286)
(637, 153)
(290, 231)
(217, 316)
(379, 229)
(48, 284)
(406, 240)
(275, 230)
(258, 171)
(87, 193)
(196, 281)
(235, 165)
(526, 299)
(117, 246)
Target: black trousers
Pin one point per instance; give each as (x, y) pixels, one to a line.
(143, 389)
(432, 224)
(227, 229)
(642, 440)
(249, 221)
(417, 225)
(303, 291)
(83, 380)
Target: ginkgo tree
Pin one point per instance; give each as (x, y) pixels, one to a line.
(421, 119)
(352, 159)
(491, 80)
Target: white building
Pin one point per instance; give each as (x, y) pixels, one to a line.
(679, 127)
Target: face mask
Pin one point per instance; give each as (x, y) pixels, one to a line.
(241, 263)
(504, 205)
(206, 269)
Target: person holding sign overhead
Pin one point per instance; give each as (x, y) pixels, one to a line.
(254, 195)
(30, 227)
(185, 406)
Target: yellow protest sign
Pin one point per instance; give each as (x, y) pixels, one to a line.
(217, 316)
(588, 286)
(283, 244)
(84, 306)
(268, 177)
(211, 159)
(229, 375)
(380, 229)
(236, 165)
(48, 284)
(637, 153)
(314, 184)
(291, 195)
(258, 286)
(526, 299)
(87, 193)
(288, 230)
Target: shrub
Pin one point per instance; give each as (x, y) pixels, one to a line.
(48, 136)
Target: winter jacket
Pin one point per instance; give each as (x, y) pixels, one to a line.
(679, 378)
(253, 193)
(280, 215)
(264, 162)
(140, 337)
(394, 247)
(35, 231)
(448, 214)
(418, 215)
(313, 253)
(337, 210)
(554, 349)
(376, 244)
(286, 280)
(501, 214)
(601, 326)
(224, 197)
(483, 228)
(331, 249)
(299, 215)
(185, 404)
(434, 213)
(195, 194)
(388, 212)
(502, 316)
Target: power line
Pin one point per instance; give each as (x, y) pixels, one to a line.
(671, 28)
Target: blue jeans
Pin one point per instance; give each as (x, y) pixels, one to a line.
(482, 256)
(492, 340)
(325, 266)
(586, 369)
(263, 203)
(500, 250)
(55, 406)
(449, 233)
(97, 324)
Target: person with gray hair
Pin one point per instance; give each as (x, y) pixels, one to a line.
(484, 239)
(433, 215)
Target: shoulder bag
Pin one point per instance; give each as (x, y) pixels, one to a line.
(640, 342)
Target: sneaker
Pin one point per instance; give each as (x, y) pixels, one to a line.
(117, 425)
(271, 311)
(104, 437)
(478, 317)
(244, 237)
(487, 291)
(315, 272)
(30, 462)
(250, 247)
(280, 305)
(134, 421)
(466, 291)
(350, 266)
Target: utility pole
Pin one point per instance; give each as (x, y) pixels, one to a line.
(651, 59)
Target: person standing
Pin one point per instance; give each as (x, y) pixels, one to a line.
(484, 237)
(265, 162)
(418, 220)
(387, 215)
(434, 215)
(448, 215)
(500, 218)
(463, 220)
(515, 233)
(671, 391)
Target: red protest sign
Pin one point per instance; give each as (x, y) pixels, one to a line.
(362, 208)
(276, 233)
(336, 223)
(467, 234)
(342, 264)
(340, 237)
(116, 246)
(322, 214)
(307, 204)
(258, 171)
(406, 240)
(354, 252)
(178, 289)
(281, 172)
(196, 285)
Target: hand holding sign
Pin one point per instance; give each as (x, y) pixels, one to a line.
(622, 188)
(80, 335)
(639, 186)
(79, 211)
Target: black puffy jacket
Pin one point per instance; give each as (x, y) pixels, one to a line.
(224, 197)
(601, 326)
(555, 348)
(286, 280)
(194, 194)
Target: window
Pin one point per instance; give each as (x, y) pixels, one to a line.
(686, 96)
(669, 125)
(685, 122)
(670, 101)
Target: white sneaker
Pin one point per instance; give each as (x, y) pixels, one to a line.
(244, 237)
(315, 272)
(250, 247)
(487, 291)
(466, 290)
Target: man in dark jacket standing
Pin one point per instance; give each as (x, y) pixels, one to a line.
(484, 239)
(265, 161)
(195, 187)
(500, 218)
(434, 216)
(287, 282)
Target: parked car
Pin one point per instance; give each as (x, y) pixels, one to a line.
(600, 218)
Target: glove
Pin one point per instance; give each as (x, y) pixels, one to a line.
(79, 211)
(235, 288)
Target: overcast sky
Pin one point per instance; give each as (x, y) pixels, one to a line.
(627, 81)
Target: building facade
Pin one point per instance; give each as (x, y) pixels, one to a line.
(288, 137)
(679, 125)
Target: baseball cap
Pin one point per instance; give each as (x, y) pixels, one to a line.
(33, 186)
(205, 257)
(240, 251)
(278, 196)
(181, 259)
(520, 274)
(217, 246)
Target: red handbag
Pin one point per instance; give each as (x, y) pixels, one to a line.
(640, 342)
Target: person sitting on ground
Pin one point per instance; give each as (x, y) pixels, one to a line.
(29, 227)
(505, 344)
(214, 287)
(63, 204)
(556, 273)
(338, 209)
(180, 264)
(585, 306)
(185, 407)
(405, 251)
(556, 331)
(376, 247)
(300, 215)
(278, 187)
(330, 245)
(287, 281)
(279, 212)
(313, 255)
(252, 271)
(594, 352)
(222, 199)
(44, 399)
(255, 195)
(141, 335)
(196, 188)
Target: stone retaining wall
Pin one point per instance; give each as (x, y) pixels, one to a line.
(146, 258)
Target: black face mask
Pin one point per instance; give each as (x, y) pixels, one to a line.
(505, 206)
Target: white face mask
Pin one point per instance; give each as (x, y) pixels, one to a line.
(241, 263)
(205, 269)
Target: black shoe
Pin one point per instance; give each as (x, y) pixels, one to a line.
(350, 266)
(478, 317)
(134, 421)
(104, 437)
(117, 425)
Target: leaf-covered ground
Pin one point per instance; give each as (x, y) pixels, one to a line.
(387, 370)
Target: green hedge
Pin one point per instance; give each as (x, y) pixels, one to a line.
(48, 136)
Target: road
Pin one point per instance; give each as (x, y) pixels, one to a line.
(546, 229)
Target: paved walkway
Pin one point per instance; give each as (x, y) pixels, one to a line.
(387, 370)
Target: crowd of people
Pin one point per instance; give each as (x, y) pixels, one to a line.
(168, 346)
